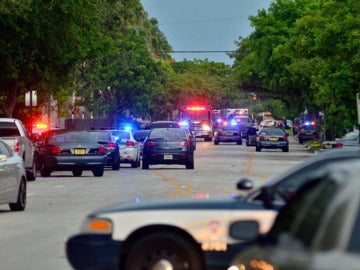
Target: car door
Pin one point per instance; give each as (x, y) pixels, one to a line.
(8, 173)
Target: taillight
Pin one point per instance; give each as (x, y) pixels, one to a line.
(206, 127)
(285, 138)
(16, 146)
(261, 138)
(111, 145)
(102, 150)
(339, 145)
(150, 143)
(55, 150)
(130, 144)
(185, 143)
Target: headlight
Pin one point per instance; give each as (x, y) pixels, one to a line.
(206, 127)
(97, 226)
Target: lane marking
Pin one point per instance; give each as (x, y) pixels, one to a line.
(183, 190)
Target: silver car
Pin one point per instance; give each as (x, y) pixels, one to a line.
(12, 179)
(129, 147)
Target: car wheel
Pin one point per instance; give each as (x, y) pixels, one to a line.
(77, 172)
(45, 171)
(145, 164)
(98, 171)
(285, 149)
(21, 198)
(258, 149)
(301, 141)
(116, 165)
(135, 163)
(239, 142)
(190, 164)
(164, 250)
(31, 173)
(216, 142)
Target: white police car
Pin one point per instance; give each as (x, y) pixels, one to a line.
(184, 234)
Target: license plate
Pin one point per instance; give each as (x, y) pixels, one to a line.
(80, 151)
(273, 139)
(168, 157)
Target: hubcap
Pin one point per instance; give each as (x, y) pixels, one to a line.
(163, 264)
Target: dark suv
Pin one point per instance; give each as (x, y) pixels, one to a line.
(308, 132)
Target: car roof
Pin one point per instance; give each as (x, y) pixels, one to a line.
(321, 157)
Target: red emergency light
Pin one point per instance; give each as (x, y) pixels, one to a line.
(195, 108)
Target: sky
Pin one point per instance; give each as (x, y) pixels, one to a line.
(204, 25)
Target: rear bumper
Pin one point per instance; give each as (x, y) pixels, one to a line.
(69, 162)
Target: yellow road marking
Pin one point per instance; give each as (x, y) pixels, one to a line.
(179, 189)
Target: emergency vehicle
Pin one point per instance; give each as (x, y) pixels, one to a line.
(198, 119)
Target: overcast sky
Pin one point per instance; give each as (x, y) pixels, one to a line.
(204, 25)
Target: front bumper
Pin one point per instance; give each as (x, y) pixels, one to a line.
(92, 251)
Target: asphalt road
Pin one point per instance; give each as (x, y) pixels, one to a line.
(34, 239)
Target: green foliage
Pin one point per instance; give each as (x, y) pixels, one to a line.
(306, 53)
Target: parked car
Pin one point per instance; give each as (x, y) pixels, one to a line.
(140, 136)
(228, 132)
(192, 231)
(12, 178)
(318, 228)
(308, 132)
(15, 134)
(74, 151)
(168, 146)
(105, 138)
(272, 138)
(129, 147)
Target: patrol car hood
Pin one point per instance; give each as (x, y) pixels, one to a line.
(219, 203)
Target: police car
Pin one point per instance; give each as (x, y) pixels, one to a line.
(190, 233)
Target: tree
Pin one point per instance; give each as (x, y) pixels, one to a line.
(40, 43)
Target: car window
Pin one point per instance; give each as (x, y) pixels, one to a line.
(168, 133)
(121, 135)
(352, 136)
(71, 138)
(333, 227)
(354, 244)
(299, 219)
(101, 136)
(140, 135)
(4, 150)
(272, 132)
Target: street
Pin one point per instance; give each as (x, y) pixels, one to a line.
(56, 206)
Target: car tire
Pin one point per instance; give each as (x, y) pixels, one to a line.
(190, 165)
(239, 142)
(116, 164)
(21, 198)
(159, 250)
(285, 149)
(145, 164)
(216, 142)
(136, 163)
(31, 173)
(258, 149)
(77, 172)
(98, 172)
(45, 171)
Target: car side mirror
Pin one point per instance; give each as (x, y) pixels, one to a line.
(245, 184)
(245, 230)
